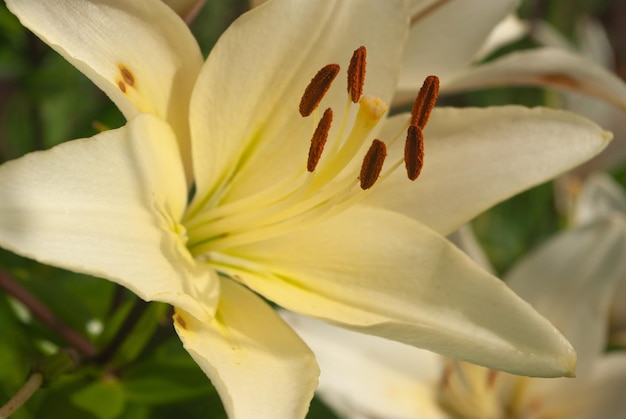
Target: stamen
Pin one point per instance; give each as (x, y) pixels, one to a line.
(372, 164)
(425, 101)
(414, 152)
(356, 74)
(319, 140)
(317, 88)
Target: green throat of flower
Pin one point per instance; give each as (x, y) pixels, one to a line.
(334, 167)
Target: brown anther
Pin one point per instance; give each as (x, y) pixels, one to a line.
(127, 76)
(414, 152)
(319, 140)
(372, 164)
(356, 73)
(317, 88)
(425, 101)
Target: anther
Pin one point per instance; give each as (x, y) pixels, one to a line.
(317, 88)
(414, 152)
(356, 73)
(319, 140)
(372, 164)
(425, 101)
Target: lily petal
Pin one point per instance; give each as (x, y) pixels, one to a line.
(138, 52)
(549, 67)
(600, 196)
(476, 158)
(250, 119)
(365, 376)
(441, 41)
(187, 9)
(260, 367)
(599, 395)
(572, 279)
(509, 30)
(404, 282)
(108, 206)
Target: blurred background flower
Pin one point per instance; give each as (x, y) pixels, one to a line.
(576, 279)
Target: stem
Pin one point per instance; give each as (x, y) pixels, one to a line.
(46, 316)
(23, 394)
(124, 331)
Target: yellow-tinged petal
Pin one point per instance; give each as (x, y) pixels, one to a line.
(599, 394)
(244, 111)
(441, 40)
(140, 53)
(379, 272)
(109, 206)
(475, 158)
(258, 364)
(572, 280)
(549, 67)
(364, 376)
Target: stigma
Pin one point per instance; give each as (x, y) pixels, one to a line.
(347, 144)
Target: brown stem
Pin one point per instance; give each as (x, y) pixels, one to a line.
(24, 393)
(46, 316)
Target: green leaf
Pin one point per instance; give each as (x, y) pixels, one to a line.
(104, 399)
(141, 333)
(167, 375)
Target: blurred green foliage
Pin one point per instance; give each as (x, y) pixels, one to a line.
(142, 370)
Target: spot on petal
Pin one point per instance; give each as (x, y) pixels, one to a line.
(122, 86)
(127, 75)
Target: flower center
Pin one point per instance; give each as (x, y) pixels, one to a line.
(336, 164)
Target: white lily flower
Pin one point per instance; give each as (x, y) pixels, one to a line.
(595, 45)
(286, 206)
(577, 280)
(602, 198)
(545, 66)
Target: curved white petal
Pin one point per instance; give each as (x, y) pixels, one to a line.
(549, 67)
(365, 376)
(244, 112)
(109, 206)
(378, 272)
(598, 395)
(572, 279)
(510, 29)
(475, 158)
(138, 52)
(465, 239)
(600, 195)
(442, 41)
(260, 367)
